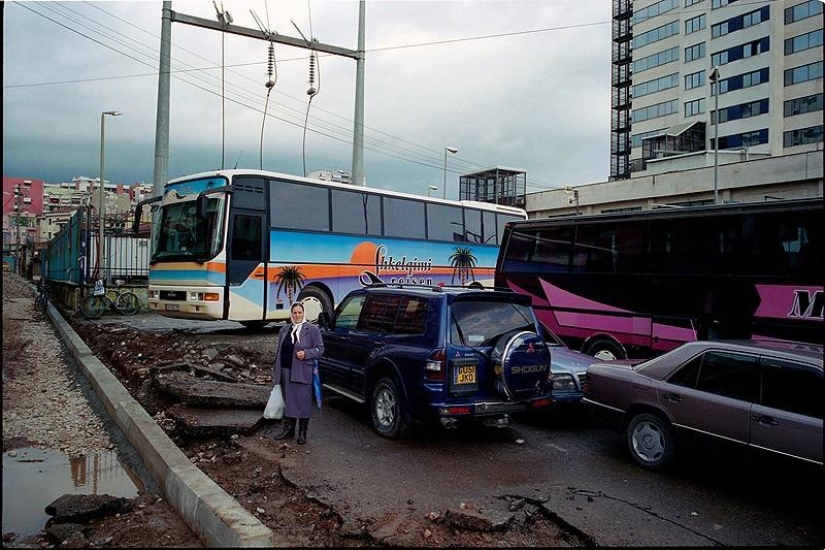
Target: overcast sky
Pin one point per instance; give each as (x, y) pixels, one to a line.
(518, 84)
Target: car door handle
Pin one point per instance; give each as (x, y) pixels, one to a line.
(672, 397)
(764, 419)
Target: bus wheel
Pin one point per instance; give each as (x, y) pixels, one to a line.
(315, 301)
(605, 349)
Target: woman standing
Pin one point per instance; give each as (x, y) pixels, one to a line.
(299, 344)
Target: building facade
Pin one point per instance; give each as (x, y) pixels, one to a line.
(688, 74)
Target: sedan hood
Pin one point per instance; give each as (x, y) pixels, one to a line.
(566, 360)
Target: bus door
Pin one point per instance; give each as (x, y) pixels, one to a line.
(246, 265)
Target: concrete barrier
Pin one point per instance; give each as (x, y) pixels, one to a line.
(212, 514)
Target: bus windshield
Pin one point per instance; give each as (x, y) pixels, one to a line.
(185, 236)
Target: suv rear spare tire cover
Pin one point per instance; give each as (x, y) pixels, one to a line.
(524, 362)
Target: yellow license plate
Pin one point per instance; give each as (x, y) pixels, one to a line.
(465, 374)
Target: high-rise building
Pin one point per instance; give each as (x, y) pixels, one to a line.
(687, 71)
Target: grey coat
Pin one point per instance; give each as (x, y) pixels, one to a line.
(310, 341)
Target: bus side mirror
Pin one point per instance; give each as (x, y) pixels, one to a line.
(201, 206)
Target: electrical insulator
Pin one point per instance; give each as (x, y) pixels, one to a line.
(312, 90)
(270, 68)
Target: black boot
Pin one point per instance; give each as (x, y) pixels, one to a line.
(287, 428)
(302, 430)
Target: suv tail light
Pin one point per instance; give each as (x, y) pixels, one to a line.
(436, 366)
(587, 385)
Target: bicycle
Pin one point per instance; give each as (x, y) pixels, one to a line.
(102, 299)
(41, 297)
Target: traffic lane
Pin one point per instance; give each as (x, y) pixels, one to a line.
(576, 466)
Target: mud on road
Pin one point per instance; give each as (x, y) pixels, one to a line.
(250, 466)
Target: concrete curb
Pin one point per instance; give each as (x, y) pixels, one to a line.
(212, 514)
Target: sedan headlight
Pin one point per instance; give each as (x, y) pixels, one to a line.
(563, 382)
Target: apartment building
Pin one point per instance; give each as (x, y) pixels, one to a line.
(688, 74)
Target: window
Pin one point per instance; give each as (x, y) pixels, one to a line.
(803, 73)
(654, 9)
(803, 136)
(745, 139)
(792, 387)
(741, 22)
(657, 85)
(379, 313)
(737, 82)
(808, 104)
(721, 3)
(694, 80)
(246, 238)
(743, 110)
(636, 139)
(656, 60)
(655, 111)
(445, 223)
(357, 213)
(348, 314)
(695, 107)
(729, 374)
(697, 51)
(695, 24)
(659, 33)
(803, 42)
(691, 2)
(802, 11)
(742, 51)
(404, 218)
(298, 206)
(412, 316)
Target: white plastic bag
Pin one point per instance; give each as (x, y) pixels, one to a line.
(275, 405)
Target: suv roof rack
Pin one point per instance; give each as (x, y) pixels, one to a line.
(437, 288)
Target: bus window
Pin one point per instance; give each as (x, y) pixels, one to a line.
(445, 223)
(298, 206)
(552, 249)
(404, 218)
(246, 238)
(595, 250)
(472, 225)
(489, 230)
(357, 213)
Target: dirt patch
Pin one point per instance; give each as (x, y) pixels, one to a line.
(249, 467)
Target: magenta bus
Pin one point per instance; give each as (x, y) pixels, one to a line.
(640, 283)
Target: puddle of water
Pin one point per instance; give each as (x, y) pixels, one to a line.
(35, 478)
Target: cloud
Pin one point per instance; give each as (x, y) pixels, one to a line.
(534, 95)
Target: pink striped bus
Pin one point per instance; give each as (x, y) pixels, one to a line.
(641, 283)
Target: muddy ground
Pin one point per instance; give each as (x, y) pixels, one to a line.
(248, 466)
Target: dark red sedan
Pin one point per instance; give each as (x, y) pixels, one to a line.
(763, 395)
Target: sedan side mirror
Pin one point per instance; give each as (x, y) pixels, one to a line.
(323, 320)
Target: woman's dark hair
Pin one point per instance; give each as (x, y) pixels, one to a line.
(297, 304)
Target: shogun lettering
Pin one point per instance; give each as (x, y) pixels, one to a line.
(806, 307)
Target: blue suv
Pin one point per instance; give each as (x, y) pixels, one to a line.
(416, 354)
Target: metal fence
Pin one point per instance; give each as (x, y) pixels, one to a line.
(72, 255)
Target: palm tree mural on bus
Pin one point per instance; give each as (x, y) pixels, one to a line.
(290, 280)
(463, 263)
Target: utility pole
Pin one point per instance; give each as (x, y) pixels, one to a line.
(162, 124)
(18, 191)
(358, 55)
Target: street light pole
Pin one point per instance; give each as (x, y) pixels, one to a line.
(101, 192)
(714, 78)
(452, 150)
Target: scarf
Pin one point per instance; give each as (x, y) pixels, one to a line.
(296, 332)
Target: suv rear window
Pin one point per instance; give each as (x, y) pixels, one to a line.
(393, 314)
(477, 322)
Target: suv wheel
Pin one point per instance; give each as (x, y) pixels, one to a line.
(387, 409)
(650, 441)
